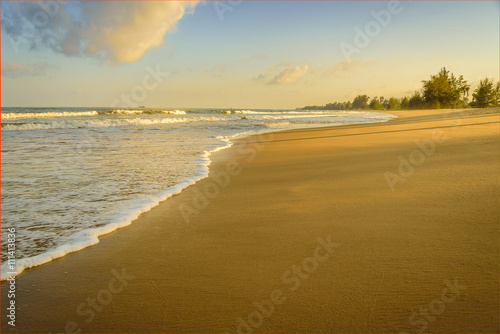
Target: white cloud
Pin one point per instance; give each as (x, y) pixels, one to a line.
(287, 75)
(290, 75)
(16, 70)
(116, 31)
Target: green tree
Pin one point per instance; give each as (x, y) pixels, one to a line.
(444, 90)
(405, 103)
(375, 104)
(360, 102)
(393, 104)
(416, 101)
(486, 94)
(497, 96)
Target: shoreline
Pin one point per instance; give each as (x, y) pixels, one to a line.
(389, 251)
(90, 237)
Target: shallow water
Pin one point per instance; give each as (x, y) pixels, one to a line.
(72, 174)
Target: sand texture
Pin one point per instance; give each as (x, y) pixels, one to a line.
(389, 227)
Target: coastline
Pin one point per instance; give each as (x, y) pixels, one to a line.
(203, 259)
(90, 237)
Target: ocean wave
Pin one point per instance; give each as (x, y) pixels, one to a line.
(90, 237)
(95, 123)
(102, 123)
(245, 112)
(174, 112)
(289, 112)
(141, 111)
(11, 115)
(291, 116)
(121, 112)
(267, 112)
(276, 124)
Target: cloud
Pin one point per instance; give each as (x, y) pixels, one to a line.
(263, 76)
(16, 70)
(289, 75)
(115, 31)
(344, 67)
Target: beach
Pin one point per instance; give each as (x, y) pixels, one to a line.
(381, 227)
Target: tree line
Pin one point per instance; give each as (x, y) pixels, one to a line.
(442, 90)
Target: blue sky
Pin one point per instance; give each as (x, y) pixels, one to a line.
(256, 54)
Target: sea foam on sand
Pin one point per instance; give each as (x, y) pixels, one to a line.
(90, 237)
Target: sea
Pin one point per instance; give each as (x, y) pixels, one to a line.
(70, 175)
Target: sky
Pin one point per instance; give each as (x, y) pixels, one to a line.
(237, 54)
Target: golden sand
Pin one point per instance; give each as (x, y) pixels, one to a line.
(386, 227)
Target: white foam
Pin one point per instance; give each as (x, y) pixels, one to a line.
(123, 111)
(90, 237)
(100, 123)
(7, 116)
(174, 112)
(246, 112)
(135, 112)
(11, 116)
(277, 124)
